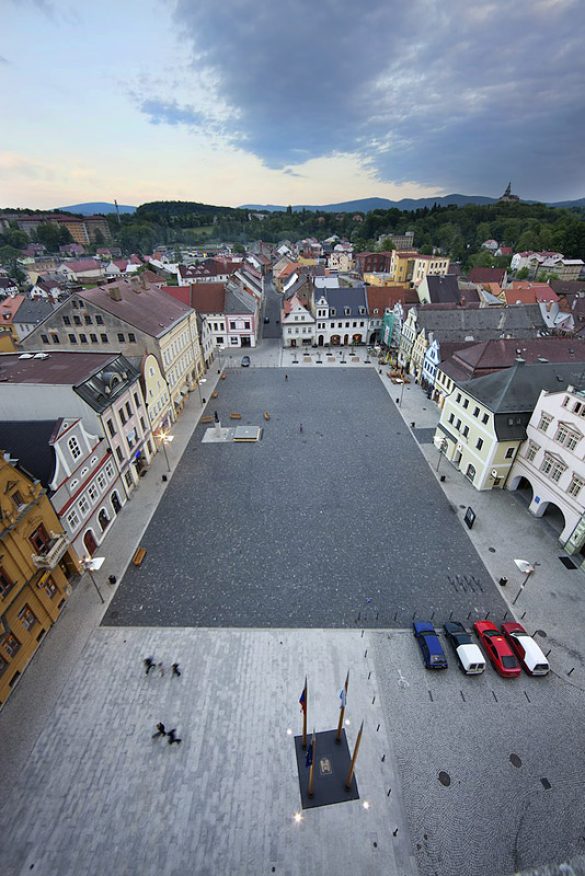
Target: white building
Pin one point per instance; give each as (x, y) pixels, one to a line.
(551, 459)
(298, 324)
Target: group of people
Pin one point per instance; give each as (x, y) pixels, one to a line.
(161, 730)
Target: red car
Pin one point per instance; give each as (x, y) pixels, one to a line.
(527, 651)
(497, 648)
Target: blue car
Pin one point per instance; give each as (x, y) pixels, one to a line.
(429, 644)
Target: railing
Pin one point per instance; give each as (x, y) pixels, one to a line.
(56, 548)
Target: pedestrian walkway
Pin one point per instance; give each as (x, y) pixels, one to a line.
(553, 600)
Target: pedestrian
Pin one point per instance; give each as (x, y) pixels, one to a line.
(286, 377)
(175, 669)
(301, 428)
(172, 734)
(161, 730)
(148, 663)
(161, 669)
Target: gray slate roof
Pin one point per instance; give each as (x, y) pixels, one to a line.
(443, 290)
(481, 324)
(33, 311)
(28, 442)
(352, 297)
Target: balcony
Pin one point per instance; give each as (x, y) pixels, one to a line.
(55, 549)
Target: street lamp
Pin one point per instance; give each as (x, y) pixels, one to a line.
(91, 565)
(441, 444)
(199, 382)
(527, 568)
(400, 380)
(165, 438)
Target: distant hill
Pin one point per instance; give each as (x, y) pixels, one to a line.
(97, 207)
(364, 205)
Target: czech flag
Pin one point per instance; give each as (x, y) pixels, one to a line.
(303, 700)
(309, 758)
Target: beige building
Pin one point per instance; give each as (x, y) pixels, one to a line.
(156, 394)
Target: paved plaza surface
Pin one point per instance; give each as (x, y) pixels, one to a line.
(337, 526)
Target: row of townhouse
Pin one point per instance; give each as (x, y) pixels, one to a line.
(523, 428)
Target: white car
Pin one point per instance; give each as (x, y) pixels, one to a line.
(469, 656)
(525, 648)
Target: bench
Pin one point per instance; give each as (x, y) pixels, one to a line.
(223, 376)
(266, 416)
(215, 394)
(139, 556)
(207, 419)
(235, 416)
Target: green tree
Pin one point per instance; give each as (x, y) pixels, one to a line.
(49, 234)
(522, 274)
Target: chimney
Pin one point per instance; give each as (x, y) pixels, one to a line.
(114, 293)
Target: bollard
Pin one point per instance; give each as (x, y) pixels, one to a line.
(362, 634)
(395, 616)
(523, 616)
(388, 794)
(570, 672)
(374, 700)
(503, 581)
(369, 674)
(359, 615)
(413, 615)
(383, 758)
(433, 616)
(487, 615)
(450, 615)
(377, 613)
(377, 728)
(505, 615)
(548, 652)
(468, 616)
(365, 653)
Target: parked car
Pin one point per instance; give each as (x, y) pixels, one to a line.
(497, 648)
(471, 660)
(245, 363)
(527, 651)
(429, 644)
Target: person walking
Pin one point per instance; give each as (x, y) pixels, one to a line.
(175, 669)
(161, 730)
(285, 377)
(148, 663)
(301, 428)
(172, 734)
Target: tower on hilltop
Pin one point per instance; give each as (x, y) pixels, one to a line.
(508, 197)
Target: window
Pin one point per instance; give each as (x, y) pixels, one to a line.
(247, 326)
(119, 454)
(531, 451)
(136, 400)
(122, 416)
(572, 440)
(72, 339)
(6, 583)
(99, 319)
(128, 409)
(545, 421)
(73, 520)
(11, 645)
(45, 339)
(66, 320)
(101, 481)
(40, 539)
(466, 403)
(575, 486)
(83, 338)
(465, 431)
(232, 325)
(77, 320)
(27, 617)
(109, 470)
(552, 467)
(93, 494)
(74, 448)
(128, 479)
(87, 319)
(479, 443)
(485, 418)
(3, 664)
(104, 338)
(121, 337)
(142, 424)
(50, 587)
(458, 424)
(458, 399)
(470, 473)
(55, 338)
(565, 401)
(509, 453)
(93, 339)
(17, 499)
(83, 506)
(476, 412)
(131, 338)
(577, 407)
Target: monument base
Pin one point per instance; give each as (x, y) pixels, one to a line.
(331, 765)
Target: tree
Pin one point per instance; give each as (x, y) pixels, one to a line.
(99, 238)
(522, 274)
(49, 234)
(16, 238)
(482, 259)
(239, 248)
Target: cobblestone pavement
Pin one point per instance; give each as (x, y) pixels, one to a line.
(338, 525)
(99, 796)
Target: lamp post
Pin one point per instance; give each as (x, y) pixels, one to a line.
(400, 380)
(165, 439)
(91, 565)
(527, 568)
(199, 382)
(441, 445)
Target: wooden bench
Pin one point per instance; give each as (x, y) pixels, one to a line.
(207, 419)
(215, 394)
(266, 415)
(235, 416)
(223, 376)
(139, 556)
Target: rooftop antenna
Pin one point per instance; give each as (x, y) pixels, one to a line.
(117, 211)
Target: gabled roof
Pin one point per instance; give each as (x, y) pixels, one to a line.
(237, 301)
(82, 265)
(381, 297)
(351, 297)
(142, 306)
(9, 308)
(63, 368)
(450, 322)
(487, 275)
(33, 310)
(208, 297)
(443, 289)
(28, 442)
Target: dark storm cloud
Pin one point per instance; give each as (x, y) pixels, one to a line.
(452, 94)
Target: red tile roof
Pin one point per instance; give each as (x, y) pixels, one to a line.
(145, 307)
(381, 297)
(8, 308)
(203, 297)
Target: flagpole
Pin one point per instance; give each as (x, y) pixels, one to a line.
(342, 709)
(306, 692)
(349, 777)
(312, 767)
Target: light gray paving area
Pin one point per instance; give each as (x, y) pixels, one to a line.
(496, 739)
(98, 795)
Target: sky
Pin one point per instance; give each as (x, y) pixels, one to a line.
(289, 102)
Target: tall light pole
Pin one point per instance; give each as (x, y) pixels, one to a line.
(165, 439)
(527, 568)
(400, 380)
(91, 565)
(441, 445)
(199, 382)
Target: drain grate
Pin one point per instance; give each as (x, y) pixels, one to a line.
(444, 778)
(568, 563)
(546, 784)
(515, 760)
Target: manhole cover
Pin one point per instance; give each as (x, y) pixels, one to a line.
(492, 550)
(546, 784)
(444, 778)
(515, 760)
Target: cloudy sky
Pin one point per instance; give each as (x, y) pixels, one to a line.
(289, 101)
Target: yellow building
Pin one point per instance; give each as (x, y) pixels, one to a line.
(410, 268)
(156, 395)
(378, 279)
(36, 566)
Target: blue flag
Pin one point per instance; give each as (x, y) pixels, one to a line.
(309, 758)
(342, 698)
(303, 700)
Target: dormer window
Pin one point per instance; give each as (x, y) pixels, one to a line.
(363, 310)
(332, 312)
(347, 311)
(375, 311)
